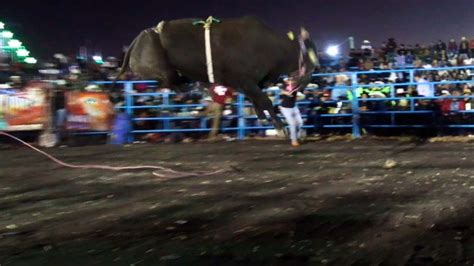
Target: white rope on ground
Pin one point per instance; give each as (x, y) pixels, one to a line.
(177, 174)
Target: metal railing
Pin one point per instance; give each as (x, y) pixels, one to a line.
(353, 116)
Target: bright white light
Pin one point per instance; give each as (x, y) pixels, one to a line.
(2, 25)
(14, 43)
(7, 34)
(23, 52)
(30, 60)
(332, 50)
(98, 59)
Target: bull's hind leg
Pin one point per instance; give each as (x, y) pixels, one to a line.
(262, 118)
(261, 103)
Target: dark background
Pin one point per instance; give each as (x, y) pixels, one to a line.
(49, 26)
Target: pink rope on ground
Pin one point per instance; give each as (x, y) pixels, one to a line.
(114, 168)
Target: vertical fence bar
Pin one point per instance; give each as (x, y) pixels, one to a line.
(241, 122)
(412, 75)
(166, 101)
(203, 122)
(355, 107)
(392, 95)
(128, 88)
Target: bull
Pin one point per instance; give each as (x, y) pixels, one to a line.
(247, 55)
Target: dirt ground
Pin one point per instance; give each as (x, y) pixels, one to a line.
(325, 203)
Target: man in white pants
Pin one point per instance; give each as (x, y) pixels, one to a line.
(291, 112)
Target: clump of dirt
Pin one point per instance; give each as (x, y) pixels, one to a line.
(464, 139)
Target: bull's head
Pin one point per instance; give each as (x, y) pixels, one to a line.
(307, 61)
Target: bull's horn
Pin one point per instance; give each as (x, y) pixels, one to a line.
(312, 56)
(159, 27)
(304, 33)
(291, 35)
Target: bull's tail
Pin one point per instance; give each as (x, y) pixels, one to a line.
(126, 60)
(125, 64)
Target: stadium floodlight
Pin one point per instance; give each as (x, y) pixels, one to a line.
(7, 34)
(30, 60)
(2, 25)
(14, 43)
(98, 59)
(332, 50)
(22, 52)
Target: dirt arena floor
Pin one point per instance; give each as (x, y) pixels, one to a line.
(326, 203)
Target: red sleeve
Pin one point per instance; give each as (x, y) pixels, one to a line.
(229, 93)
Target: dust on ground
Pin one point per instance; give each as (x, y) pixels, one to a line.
(324, 203)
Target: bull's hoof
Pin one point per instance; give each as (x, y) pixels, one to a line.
(281, 133)
(263, 122)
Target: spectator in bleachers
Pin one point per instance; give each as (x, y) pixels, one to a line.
(450, 108)
(409, 58)
(366, 47)
(452, 48)
(319, 105)
(340, 88)
(441, 46)
(391, 48)
(400, 59)
(452, 105)
(464, 52)
(471, 47)
(403, 104)
(423, 88)
(469, 102)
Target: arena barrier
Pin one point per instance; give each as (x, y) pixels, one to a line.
(352, 121)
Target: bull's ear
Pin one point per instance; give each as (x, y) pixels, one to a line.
(304, 34)
(291, 35)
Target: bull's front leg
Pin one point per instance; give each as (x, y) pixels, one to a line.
(262, 118)
(262, 103)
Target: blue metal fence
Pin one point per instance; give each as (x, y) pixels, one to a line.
(242, 126)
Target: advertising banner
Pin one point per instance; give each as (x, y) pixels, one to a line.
(88, 111)
(25, 109)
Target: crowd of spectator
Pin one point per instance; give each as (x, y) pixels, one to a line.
(390, 55)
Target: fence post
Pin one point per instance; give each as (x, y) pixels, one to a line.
(355, 107)
(412, 76)
(392, 95)
(128, 88)
(241, 123)
(166, 101)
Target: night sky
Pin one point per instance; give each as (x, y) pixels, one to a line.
(48, 26)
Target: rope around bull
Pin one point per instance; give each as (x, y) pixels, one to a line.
(169, 173)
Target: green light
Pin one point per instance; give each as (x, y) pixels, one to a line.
(14, 43)
(7, 34)
(30, 60)
(22, 52)
(2, 25)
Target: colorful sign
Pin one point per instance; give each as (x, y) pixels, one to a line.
(25, 109)
(88, 111)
